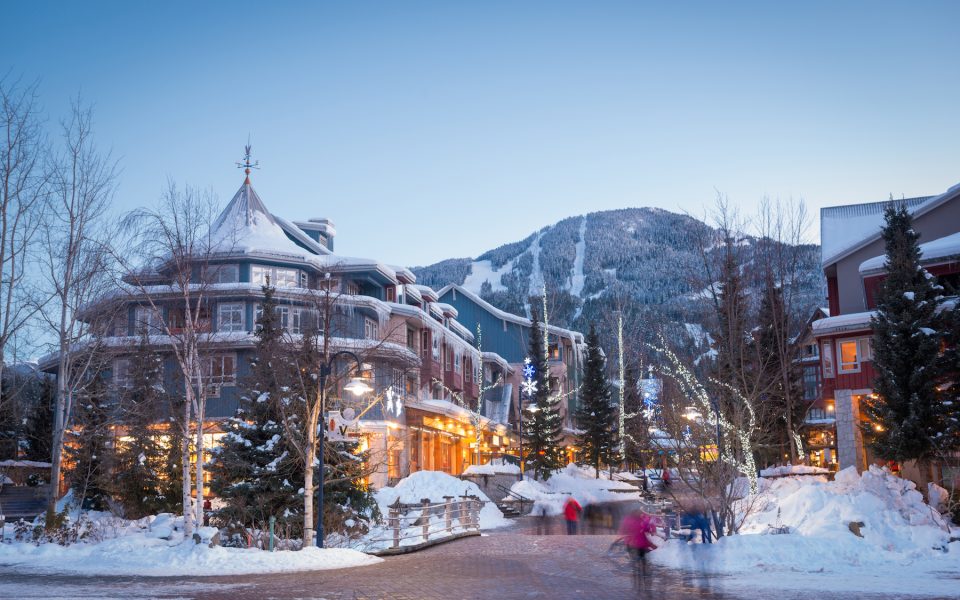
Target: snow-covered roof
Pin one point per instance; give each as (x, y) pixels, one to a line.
(846, 229)
(851, 322)
(426, 292)
(937, 250)
(413, 292)
(576, 336)
(245, 225)
(404, 274)
(448, 309)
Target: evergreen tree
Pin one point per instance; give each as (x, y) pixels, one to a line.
(90, 447)
(907, 416)
(636, 427)
(949, 380)
(543, 423)
(139, 455)
(170, 468)
(253, 470)
(38, 433)
(596, 414)
(780, 374)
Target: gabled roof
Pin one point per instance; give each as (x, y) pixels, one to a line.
(575, 336)
(846, 229)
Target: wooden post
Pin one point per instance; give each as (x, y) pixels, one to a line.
(464, 516)
(448, 512)
(393, 522)
(425, 518)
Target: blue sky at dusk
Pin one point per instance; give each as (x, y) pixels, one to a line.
(433, 130)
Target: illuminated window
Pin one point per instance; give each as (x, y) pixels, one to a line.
(852, 353)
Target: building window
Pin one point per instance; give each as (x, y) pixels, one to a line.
(230, 316)
(811, 387)
(122, 373)
(436, 348)
(351, 288)
(371, 330)
(816, 414)
(219, 370)
(827, 356)
(147, 320)
(457, 361)
(291, 319)
(412, 339)
(852, 353)
(222, 274)
(277, 277)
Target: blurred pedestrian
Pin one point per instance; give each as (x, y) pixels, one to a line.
(636, 529)
(571, 514)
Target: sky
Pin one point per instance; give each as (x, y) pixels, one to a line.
(435, 130)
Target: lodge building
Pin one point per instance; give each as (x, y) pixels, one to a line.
(853, 259)
(439, 402)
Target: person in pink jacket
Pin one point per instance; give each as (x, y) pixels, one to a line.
(636, 529)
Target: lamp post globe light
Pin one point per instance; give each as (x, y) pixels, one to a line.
(356, 386)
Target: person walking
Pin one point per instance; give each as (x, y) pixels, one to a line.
(636, 529)
(571, 514)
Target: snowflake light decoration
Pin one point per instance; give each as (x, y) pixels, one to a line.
(529, 387)
(528, 369)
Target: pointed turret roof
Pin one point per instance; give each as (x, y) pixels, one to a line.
(246, 225)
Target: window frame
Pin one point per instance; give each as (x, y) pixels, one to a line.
(826, 359)
(863, 353)
(234, 308)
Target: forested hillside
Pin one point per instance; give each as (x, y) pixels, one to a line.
(645, 262)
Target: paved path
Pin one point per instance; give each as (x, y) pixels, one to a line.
(501, 566)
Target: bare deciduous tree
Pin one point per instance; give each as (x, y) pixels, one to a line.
(167, 266)
(24, 185)
(75, 265)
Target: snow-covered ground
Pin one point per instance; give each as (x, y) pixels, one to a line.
(138, 548)
(580, 482)
(905, 545)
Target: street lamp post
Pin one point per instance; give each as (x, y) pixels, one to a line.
(356, 386)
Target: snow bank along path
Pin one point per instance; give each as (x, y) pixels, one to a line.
(904, 547)
(579, 482)
(135, 553)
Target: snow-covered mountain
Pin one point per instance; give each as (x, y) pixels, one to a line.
(644, 261)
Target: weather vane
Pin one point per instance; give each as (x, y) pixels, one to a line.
(246, 165)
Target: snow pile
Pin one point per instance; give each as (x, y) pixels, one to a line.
(580, 482)
(140, 548)
(493, 468)
(897, 530)
(435, 485)
(785, 470)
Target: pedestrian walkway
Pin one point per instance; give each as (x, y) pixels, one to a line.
(505, 565)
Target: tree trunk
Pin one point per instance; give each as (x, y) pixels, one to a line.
(308, 485)
(185, 458)
(198, 446)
